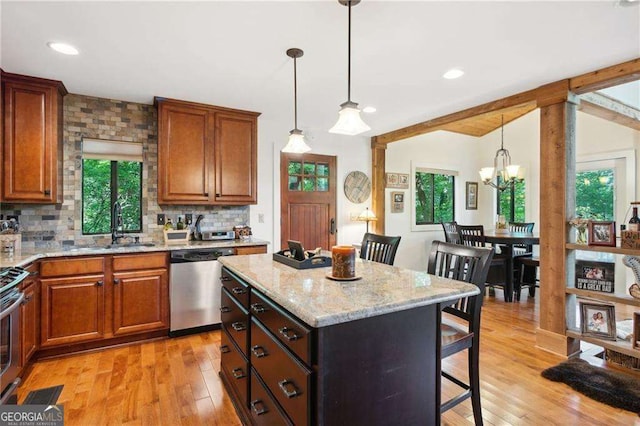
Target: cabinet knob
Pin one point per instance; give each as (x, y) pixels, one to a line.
(238, 290)
(47, 192)
(116, 281)
(288, 333)
(206, 194)
(225, 278)
(224, 349)
(100, 283)
(258, 351)
(225, 309)
(257, 308)
(238, 373)
(238, 326)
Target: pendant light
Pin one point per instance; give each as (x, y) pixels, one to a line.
(296, 144)
(502, 168)
(349, 120)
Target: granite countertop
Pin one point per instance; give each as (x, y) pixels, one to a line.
(320, 302)
(20, 258)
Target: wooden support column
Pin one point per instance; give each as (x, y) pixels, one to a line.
(557, 201)
(378, 156)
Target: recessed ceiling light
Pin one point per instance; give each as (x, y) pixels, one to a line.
(67, 49)
(453, 73)
(369, 109)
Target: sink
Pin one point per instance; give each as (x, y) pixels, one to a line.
(125, 245)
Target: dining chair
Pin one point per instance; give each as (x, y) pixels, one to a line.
(460, 322)
(451, 232)
(527, 269)
(473, 236)
(379, 248)
(525, 227)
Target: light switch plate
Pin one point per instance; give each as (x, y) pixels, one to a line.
(160, 219)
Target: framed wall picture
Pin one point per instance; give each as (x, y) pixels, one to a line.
(598, 320)
(397, 180)
(602, 233)
(397, 202)
(471, 196)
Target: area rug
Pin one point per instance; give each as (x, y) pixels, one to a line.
(610, 387)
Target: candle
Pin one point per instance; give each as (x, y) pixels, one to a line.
(343, 260)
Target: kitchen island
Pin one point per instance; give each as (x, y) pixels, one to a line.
(300, 348)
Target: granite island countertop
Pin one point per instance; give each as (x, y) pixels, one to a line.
(320, 301)
(24, 257)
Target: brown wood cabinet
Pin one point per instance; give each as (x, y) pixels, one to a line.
(95, 298)
(251, 250)
(206, 154)
(29, 316)
(32, 139)
(140, 297)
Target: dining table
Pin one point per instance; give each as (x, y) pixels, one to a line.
(506, 241)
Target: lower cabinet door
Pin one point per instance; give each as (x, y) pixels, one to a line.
(288, 380)
(263, 408)
(235, 366)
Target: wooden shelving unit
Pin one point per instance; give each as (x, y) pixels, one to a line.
(620, 346)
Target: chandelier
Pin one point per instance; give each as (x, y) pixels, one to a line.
(503, 174)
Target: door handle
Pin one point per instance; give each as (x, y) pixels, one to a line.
(332, 226)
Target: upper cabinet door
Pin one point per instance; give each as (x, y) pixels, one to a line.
(236, 158)
(185, 151)
(32, 139)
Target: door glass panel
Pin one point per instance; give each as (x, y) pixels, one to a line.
(309, 184)
(309, 169)
(323, 184)
(322, 169)
(295, 167)
(294, 183)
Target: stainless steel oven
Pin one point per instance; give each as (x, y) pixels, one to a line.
(10, 300)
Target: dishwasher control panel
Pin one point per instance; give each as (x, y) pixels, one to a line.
(200, 255)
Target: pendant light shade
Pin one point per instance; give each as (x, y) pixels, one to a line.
(349, 121)
(296, 143)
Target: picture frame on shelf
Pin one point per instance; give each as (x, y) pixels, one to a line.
(471, 196)
(602, 233)
(597, 320)
(595, 276)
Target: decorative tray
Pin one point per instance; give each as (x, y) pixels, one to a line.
(314, 261)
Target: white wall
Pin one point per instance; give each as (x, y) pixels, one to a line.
(352, 152)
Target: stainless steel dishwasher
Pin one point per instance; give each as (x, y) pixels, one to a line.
(195, 290)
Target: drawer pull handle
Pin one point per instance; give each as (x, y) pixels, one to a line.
(238, 290)
(238, 326)
(225, 349)
(259, 351)
(223, 278)
(257, 308)
(238, 373)
(225, 309)
(285, 385)
(288, 333)
(258, 407)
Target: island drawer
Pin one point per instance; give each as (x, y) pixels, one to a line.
(286, 377)
(263, 407)
(238, 289)
(235, 320)
(235, 366)
(288, 330)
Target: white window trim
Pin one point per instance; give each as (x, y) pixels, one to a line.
(431, 168)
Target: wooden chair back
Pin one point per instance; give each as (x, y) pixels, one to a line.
(379, 248)
(451, 232)
(472, 235)
(525, 227)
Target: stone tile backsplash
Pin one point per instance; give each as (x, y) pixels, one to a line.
(54, 226)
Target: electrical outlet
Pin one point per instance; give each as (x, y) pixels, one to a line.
(188, 218)
(160, 219)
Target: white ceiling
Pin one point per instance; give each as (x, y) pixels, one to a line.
(233, 53)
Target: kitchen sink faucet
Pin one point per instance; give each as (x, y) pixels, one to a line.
(116, 223)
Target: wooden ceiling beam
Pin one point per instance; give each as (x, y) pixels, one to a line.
(610, 109)
(606, 77)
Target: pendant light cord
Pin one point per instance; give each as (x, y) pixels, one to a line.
(295, 93)
(502, 134)
(349, 59)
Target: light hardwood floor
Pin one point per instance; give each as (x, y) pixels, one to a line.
(175, 381)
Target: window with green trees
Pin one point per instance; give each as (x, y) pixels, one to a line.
(103, 183)
(434, 198)
(595, 190)
(511, 202)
